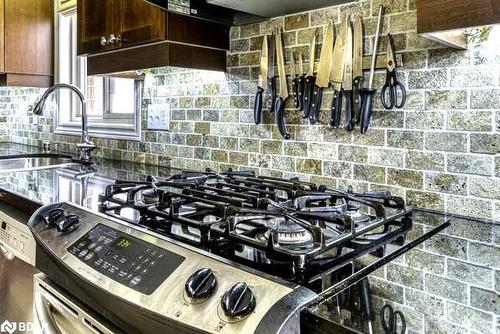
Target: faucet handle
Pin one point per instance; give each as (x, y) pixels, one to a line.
(84, 151)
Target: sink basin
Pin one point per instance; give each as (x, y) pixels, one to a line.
(17, 163)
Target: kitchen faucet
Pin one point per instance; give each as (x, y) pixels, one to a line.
(86, 146)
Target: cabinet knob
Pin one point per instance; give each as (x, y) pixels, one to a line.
(104, 41)
(114, 39)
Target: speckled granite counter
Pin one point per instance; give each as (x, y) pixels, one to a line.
(450, 284)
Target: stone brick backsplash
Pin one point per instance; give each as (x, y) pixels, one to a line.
(440, 152)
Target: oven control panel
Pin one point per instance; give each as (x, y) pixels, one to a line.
(126, 259)
(16, 237)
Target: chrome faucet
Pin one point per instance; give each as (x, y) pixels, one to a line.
(86, 146)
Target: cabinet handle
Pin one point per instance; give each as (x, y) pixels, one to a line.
(114, 39)
(104, 41)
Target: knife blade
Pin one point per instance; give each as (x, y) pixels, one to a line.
(322, 75)
(262, 82)
(295, 80)
(357, 67)
(301, 82)
(271, 76)
(347, 81)
(310, 78)
(337, 74)
(283, 92)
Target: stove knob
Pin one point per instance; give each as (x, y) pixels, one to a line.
(69, 224)
(238, 301)
(201, 284)
(52, 217)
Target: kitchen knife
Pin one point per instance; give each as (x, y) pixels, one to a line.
(322, 75)
(283, 93)
(301, 82)
(271, 76)
(310, 78)
(357, 67)
(337, 75)
(295, 81)
(368, 93)
(262, 83)
(347, 82)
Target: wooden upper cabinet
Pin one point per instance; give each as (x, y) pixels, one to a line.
(147, 36)
(26, 42)
(96, 21)
(445, 20)
(140, 22)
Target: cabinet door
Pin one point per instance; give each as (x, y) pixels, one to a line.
(28, 30)
(96, 19)
(140, 22)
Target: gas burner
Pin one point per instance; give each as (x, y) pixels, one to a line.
(150, 196)
(356, 215)
(289, 233)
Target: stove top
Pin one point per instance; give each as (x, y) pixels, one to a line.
(296, 230)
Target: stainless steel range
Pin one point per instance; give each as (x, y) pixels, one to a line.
(218, 252)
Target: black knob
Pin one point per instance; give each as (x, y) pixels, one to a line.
(201, 284)
(52, 217)
(69, 224)
(238, 301)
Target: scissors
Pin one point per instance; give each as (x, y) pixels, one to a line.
(393, 89)
(390, 320)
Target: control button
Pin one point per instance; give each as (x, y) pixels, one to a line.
(238, 301)
(98, 249)
(92, 245)
(136, 280)
(152, 263)
(81, 244)
(101, 238)
(146, 260)
(122, 274)
(83, 253)
(123, 260)
(144, 271)
(201, 284)
(106, 265)
(108, 253)
(116, 257)
(112, 269)
(89, 256)
(98, 262)
(107, 241)
(21, 245)
(69, 224)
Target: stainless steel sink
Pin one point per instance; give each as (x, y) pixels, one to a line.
(24, 162)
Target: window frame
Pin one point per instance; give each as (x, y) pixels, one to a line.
(120, 126)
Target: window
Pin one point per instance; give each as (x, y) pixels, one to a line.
(113, 102)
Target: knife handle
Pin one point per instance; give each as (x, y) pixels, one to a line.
(316, 99)
(280, 117)
(272, 93)
(336, 108)
(257, 107)
(367, 108)
(308, 91)
(300, 89)
(357, 85)
(349, 112)
(295, 92)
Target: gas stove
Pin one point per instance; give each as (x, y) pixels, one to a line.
(252, 253)
(288, 228)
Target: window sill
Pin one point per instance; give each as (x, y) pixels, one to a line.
(100, 131)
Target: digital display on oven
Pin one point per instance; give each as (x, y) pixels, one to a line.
(122, 243)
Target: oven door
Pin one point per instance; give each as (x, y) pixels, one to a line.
(56, 312)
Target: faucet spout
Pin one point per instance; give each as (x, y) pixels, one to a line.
(86, 146)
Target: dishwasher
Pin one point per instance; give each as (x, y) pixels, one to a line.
(17, 260)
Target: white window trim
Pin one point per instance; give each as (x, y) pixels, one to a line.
(103, 130)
